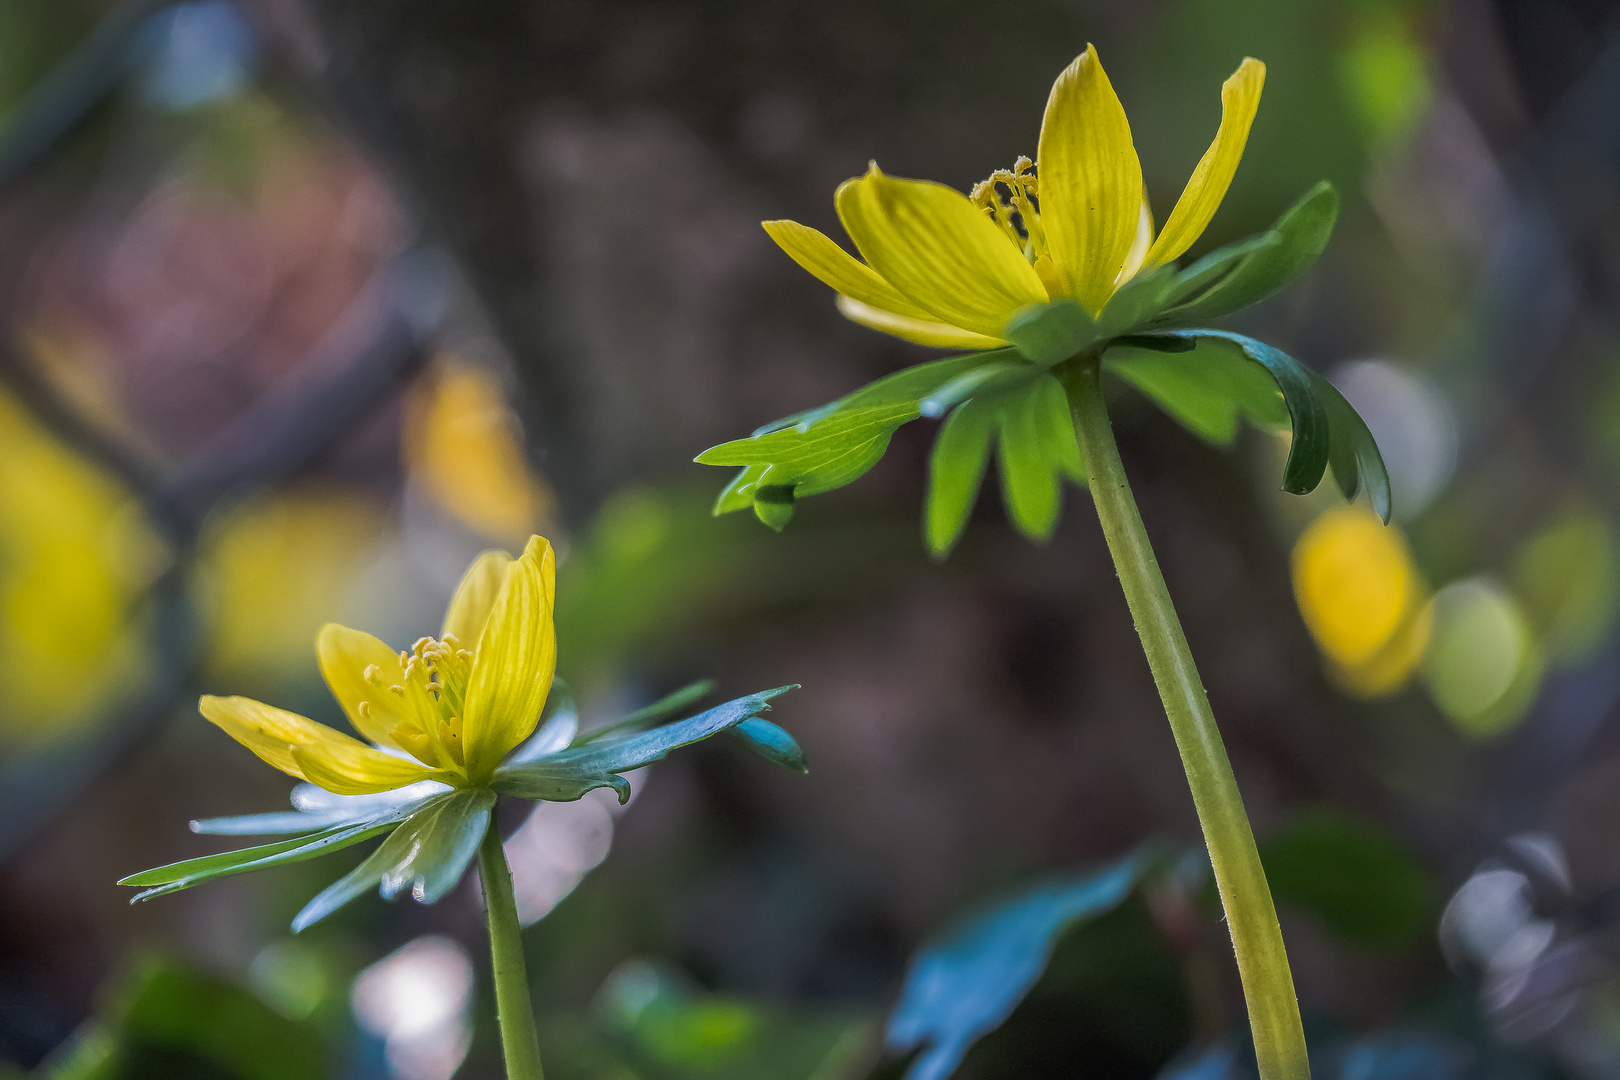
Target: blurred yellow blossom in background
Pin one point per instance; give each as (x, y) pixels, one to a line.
(75, 555)
(272, 570)
(464, 446)
(1362, 600)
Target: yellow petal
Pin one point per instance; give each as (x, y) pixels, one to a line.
(474, 597)
(923, 331)
(356, 769)
(345, 655)
(517, 656)
(834, 266)
(1137, 256)
(1090, 180)
(939, 251)
(1240, 97)
(300, 747)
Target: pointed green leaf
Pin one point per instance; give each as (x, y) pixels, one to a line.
(771, 743)
(955, 473)
(1216, 265)
(1053, 426)
(1049, 334)
(1301, 236)
(183, 875)
(908, 386)
(1137, 302)
(1308, 455)
(318, 809)
(981, 380)
(1324, 424)
(1357, 463)
(446, 838)
(569, 774)
(773, 505)
(647, 715)
(1029, 480)
(357, 882)
(739, 494)
(1205, 390)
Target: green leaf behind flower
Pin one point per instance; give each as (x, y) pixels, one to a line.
(1326, 429)
(1250, 270)
(1206, 388)
(1036, 449)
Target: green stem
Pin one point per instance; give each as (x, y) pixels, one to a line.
(519, 1042)
(1268, 987)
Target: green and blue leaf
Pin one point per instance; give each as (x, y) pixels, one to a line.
(569, 774)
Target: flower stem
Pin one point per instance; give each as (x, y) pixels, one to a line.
(519, 1042)
(1268, 986)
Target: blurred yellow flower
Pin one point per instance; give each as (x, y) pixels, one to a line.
(950, 270)
(463, 445)
(449, 709)
(75, 554)
(272, 569)
(1362, 599)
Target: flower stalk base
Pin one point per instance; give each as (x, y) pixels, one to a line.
(1268, 985)
(520, 1043)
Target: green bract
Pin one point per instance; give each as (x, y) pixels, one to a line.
(1147, 334)
(434, 830)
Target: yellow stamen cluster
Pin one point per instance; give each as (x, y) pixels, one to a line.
(433, 693)
(1011, 199)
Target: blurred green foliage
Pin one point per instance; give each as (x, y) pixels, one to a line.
(163, 1020)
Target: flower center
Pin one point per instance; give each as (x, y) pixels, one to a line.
(1011, 199)
(432, 695)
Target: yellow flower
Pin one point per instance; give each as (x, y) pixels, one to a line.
(950, 270)
(448, 710)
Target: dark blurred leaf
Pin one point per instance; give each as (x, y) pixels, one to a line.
(1254, 269)
(1205, 390)
(1390, 1055)
(1354, 879)
(569, 774)
(648, 1023)
(965, 983)
(167, 1022)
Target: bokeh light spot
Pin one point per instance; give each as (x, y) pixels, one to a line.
(1483, 667)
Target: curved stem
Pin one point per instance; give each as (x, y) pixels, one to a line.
(520, 1044)
(1268, 986)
